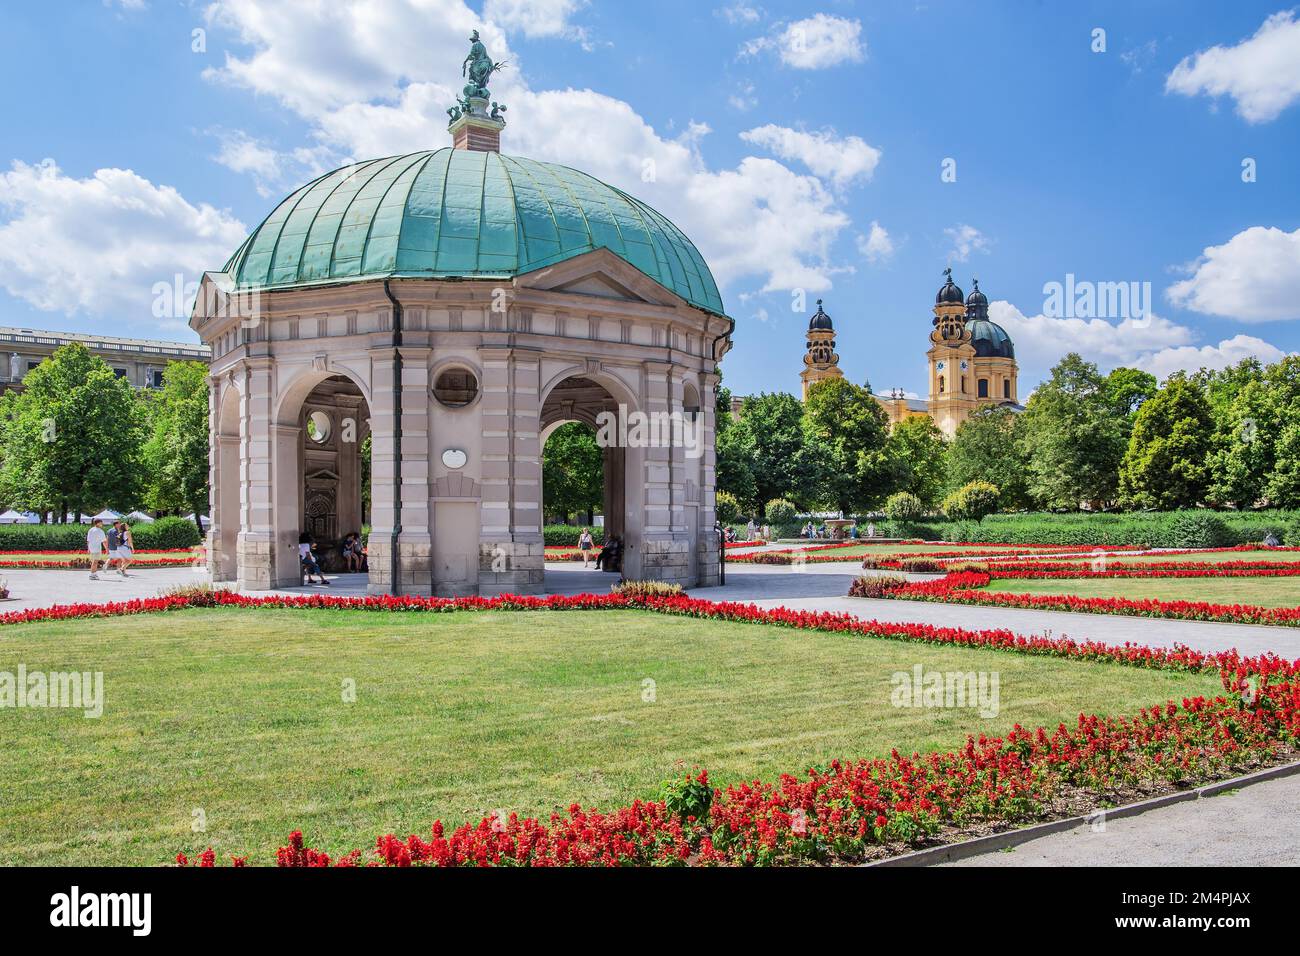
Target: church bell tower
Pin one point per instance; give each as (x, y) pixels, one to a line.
(821, 360)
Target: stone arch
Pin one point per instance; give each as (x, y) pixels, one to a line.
(317, 486)
(582, 394)
(293, 392)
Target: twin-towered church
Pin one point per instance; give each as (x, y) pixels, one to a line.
(972, 360)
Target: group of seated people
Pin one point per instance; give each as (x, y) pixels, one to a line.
(352, 549)
(816, 531)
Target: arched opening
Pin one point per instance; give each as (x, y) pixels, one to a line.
(585, 460)
(983, 388)
(322, 473)
(573, 475)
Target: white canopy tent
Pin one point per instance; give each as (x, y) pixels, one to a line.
(140, 516)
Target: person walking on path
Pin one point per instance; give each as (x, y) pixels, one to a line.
(95, 543)
(114, 548)
(125, 547)
(585, 545)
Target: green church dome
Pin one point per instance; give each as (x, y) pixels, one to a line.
(456, 213)
(990, 339)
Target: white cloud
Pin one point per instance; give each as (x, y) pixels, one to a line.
(369, 79)
(743, 99)
(842, 159)
(536, 18)
(1156, 345)
(1262, 74)
(816, 43)
(1189, 358)
(877, 244)
(98, 245)
(739, 12)
(1041, 340)
(965, 240)
(1253, 277)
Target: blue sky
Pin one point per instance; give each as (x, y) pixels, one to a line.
(800, 145)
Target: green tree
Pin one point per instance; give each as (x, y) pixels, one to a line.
(71, 439)
(987, 448)
(847, 432)
(1245, 402)
(1126, 390)
(972, 502)
(903, 506)
(572, 472)
(735, 473)
(779, 512)
(726, 507)
(765, 453)
(920, 456)
(1166, 465)
(1073, 439)
(176, 450)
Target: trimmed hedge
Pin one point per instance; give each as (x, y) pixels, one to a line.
(566, 535)
(163, 534)
(1197, 528)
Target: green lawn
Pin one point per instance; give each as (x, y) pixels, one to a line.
(862, 550)
(1268, 592)
(240, 714)
(1265, 554)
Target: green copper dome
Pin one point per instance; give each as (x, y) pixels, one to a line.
(455, 213)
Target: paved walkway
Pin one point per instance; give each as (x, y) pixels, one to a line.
(1256, 826)
(814, 587)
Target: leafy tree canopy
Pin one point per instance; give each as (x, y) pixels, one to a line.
(72, 437)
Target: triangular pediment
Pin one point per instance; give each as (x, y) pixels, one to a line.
(599, 284)
(602, 274)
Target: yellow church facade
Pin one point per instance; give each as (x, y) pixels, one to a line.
(972, 361)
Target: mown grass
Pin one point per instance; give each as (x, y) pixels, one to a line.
(238, 719)
(1262, 591)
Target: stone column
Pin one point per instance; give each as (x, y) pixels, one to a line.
(256, 554)
(287, 493)
(706, 543)
(414, 545)
(223, 536)
(662, 542)
(511, 552)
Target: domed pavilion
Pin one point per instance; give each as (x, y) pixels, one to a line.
(416, 326)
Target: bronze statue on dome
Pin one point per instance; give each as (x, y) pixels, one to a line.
(478, 68)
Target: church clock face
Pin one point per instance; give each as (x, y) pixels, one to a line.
(941, 366)
(964, 365)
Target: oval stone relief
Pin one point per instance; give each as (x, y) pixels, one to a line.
(454, 458)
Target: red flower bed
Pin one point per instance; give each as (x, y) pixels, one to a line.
(82, 562)
(82, 553)
(801, 555)
(842, 811)
(1155, 569)
(962, 587)
(568, 554)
